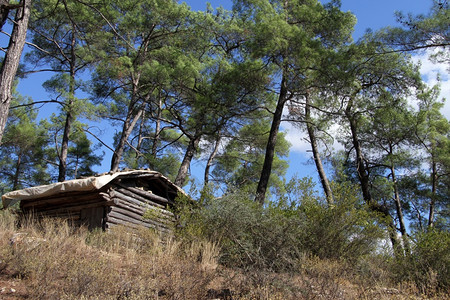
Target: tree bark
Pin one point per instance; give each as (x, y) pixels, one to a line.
(127, 128)
(12, 59)
(17, 172)
(157, 127)
(271, 143)
(433, 193)
(141, 134)
(315, 150)
(62, 167)
(363, 176)
(398, 208)
(211, 159)
(128, 125)
(184, 168)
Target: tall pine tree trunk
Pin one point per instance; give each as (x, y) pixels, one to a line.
(271, 143)
(211, 159)
(434, 179)
(315, 150)
(17, 172)
(127, 128)
(131, 120)
(62, 168)
(185, 164)
(12, 59)
(157, 127)
(363, 176)
(398, 208)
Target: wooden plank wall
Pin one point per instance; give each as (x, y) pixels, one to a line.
(68, 206)
(132, 203)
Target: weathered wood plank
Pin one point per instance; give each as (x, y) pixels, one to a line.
(149, 195)
(165, 216)
(157, 222)
(119, 216)
(161, 211)
(143, 207)
(115, 221)
(144, 194)
(125, 195)
(105, 196)
(123, 220)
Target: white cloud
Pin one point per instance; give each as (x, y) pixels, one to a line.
(296, 137)
(430, 72)
(299, 138)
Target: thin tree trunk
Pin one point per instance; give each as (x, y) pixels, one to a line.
(17, 172)
(211, 159)
(141, 134)
(315, 150)
(127, 128)
(12, 59)
(62, 168)
(157, 127)
(75, 172)
(363, 176)
(128, 125)
(271, 143)
(433, 193)
(398, 207)
(184, 168)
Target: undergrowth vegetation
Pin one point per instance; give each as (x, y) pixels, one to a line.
(227, 248)
(276, 237)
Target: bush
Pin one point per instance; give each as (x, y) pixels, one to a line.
(428, 265)
(345, 230)
(278, 235)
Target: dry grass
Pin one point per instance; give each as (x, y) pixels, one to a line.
(52, 260)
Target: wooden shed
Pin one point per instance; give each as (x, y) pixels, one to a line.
(103, 201)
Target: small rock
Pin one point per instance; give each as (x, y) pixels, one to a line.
(12, 290)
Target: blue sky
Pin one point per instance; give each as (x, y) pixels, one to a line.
(369, 13)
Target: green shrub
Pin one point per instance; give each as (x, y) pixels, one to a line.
(276, 236)
(428, 265)
(345, 230)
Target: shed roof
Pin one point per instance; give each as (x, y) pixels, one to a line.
(80, 185)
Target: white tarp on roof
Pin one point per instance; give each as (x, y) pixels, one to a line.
(79, 185)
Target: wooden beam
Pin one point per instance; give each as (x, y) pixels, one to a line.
(143, 209)
(144, 194)
(138, 217)
(132, 198)
(118, 218)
